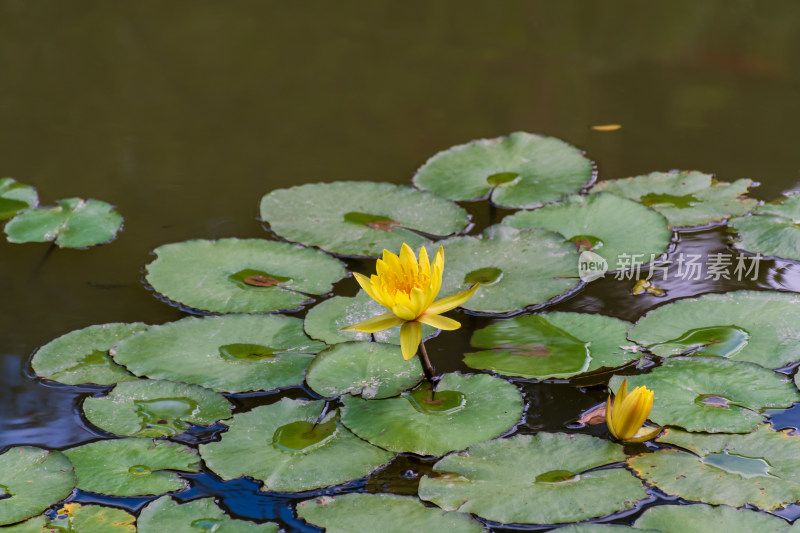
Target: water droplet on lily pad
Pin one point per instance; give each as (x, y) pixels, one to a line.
(557, 476)
(246, 352)
(302, 436)
(484, 276)
(428, 401)
(721, 341)
(739, 464)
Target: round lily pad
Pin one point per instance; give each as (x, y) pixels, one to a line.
(688, 198)
(713, 394)
(515, 268)
(545, 478)
(761, 468)
(31, 480)
(552, 345)
(151, 408)
(132, 466)
(773, 229)
(15, 197)
(521, 170)
(387, 513)
(76, 517)
(82, 356)
(241, 275)
(360, 218)
(621, 231)
(757, 326)
(601, 528)
(231, 353)
(464, 410)
(368, 369)
(280, 445)
(165, 514)
(74, 223)
(705, 518)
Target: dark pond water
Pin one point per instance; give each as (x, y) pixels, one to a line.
(183, 114)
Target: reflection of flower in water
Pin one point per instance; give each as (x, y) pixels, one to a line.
(626, 414)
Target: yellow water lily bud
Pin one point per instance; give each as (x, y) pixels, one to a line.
(627, 413)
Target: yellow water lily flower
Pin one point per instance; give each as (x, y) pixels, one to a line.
(407, 287)
(626, 414)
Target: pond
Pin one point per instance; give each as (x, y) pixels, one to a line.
(184, 116)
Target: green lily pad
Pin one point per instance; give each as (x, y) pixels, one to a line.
(464, 410)
(554, 345)
(387, 513)
(600, 528)
(360, 218)
(688, 198)
(757, 326)
(165, 514)
(368, 369)
(279, 445)
(704, 518)
(31, 480)
(617, 229)
(761, 468)
(78, 518)
(500, 479)
(536, 266)
(241, 275)
(132, 466)
(521, 170)
(325, 320)
(82, 356)
(74, 223)
(15, 197)
(773, 229)
(713, 394)
(231, 353)
(150, 408)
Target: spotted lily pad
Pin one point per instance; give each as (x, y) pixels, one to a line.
(515, 268)
(15, 197)
(500, 479)
(82, 356)
(554, 345)
(280, 445)
(360, 218)
(77, 518)
(74, 223)
(761, 468)
(705, 518)
(757, 326)
(713, 394)
(464, 410)
(369, 369)
(151, 408)
(621, 231)
(232, 353)
(521, 170)
(241, 275)
(773, 229)
(132, 466)
(31, 480)
(688, 198)
(165, 514)
(387, 513)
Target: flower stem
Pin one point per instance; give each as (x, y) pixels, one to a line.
(427, 368)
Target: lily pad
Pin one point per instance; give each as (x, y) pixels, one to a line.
(232, 353)
(757, 326)
(521, 170)
(360, 218)
(688, 198)
(368, 369)
(534, 266)
(553, 345)
(15, 197)
(76, 518)
(761, 468)
(387, 513)
(74, 223)
(773, 229)
(165, 514)
(713, 394)
(704, 518)
(132, 466)
(325, 320)
(464, 410)
(241, 275)
(82, 356)
(151, 408)
(601, 528)
(31, 480)
(280, 445)
(621, 231)
(545, 478)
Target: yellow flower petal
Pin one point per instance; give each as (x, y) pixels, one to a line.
(424, 263)
(439, 322)
(645, 434)
(627, 413)
(403, 312)
(451, 302)
(373, 325)
(366, 284)
(410, 337)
